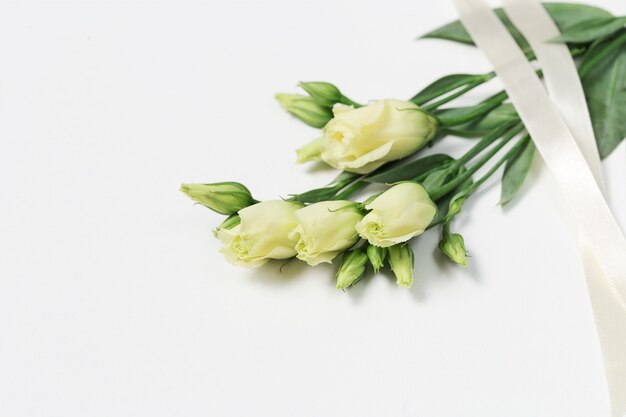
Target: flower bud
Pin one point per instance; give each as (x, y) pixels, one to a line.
(351, 269)
(324, 94)
(222, 197)
(400, 213)
(311, 151)
(377, 256)
(401, 260)
(362, 139)
(305, 109)
(325, 230)
(456, 204)
(453, 246)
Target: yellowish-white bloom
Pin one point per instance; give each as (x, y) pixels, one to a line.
(397, 215)
(362, 139)
(325, 229)
(262, 234)
(401, 259)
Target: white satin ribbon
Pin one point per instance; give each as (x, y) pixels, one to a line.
(560, 75)
(603, 245)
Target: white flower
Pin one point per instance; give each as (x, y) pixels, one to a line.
(325, 229)
(397, 215)
(261, 235)
(360, 140)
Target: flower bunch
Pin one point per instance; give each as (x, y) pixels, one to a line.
(386, 142)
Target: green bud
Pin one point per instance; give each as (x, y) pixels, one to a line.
(377, 256)
(311, 151)
(222, 197)
(305, 109)
(351, 269)
(455, 207)
(324, 94)
(453, 246)
(401, 260)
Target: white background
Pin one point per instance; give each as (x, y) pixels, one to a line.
(113, 298)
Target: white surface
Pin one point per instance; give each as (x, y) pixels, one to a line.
(113, 298)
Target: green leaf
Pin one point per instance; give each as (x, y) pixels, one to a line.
(590, 30)
(443, 85)
(565, 15)
(408, 171)
(605, 88)
(456, 32)
(516, 171)
(505, 113)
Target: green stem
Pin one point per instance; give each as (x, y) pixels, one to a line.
(437, 193)
(449, 98)
(345, 100)
(353, 188)
(475, 112)
(511, 152)
(474, 82)
(482, 144)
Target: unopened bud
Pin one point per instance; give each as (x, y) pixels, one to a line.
(305, 109)
(453, 246)
(401, 260)
(222, 197)
(351, 269)
(377, 256)
(324, 94)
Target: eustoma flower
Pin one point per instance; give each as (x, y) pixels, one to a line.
(362, 139)
(397, 215)
(261, 235)
(325, 229)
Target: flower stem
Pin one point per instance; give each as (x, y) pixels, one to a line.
(470, 83)
(437, 193)
(455, 119)
(481, 145)
(510, 153)
(353, 188)
(468, 87)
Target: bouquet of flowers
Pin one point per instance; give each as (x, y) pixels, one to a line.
(382, 142)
